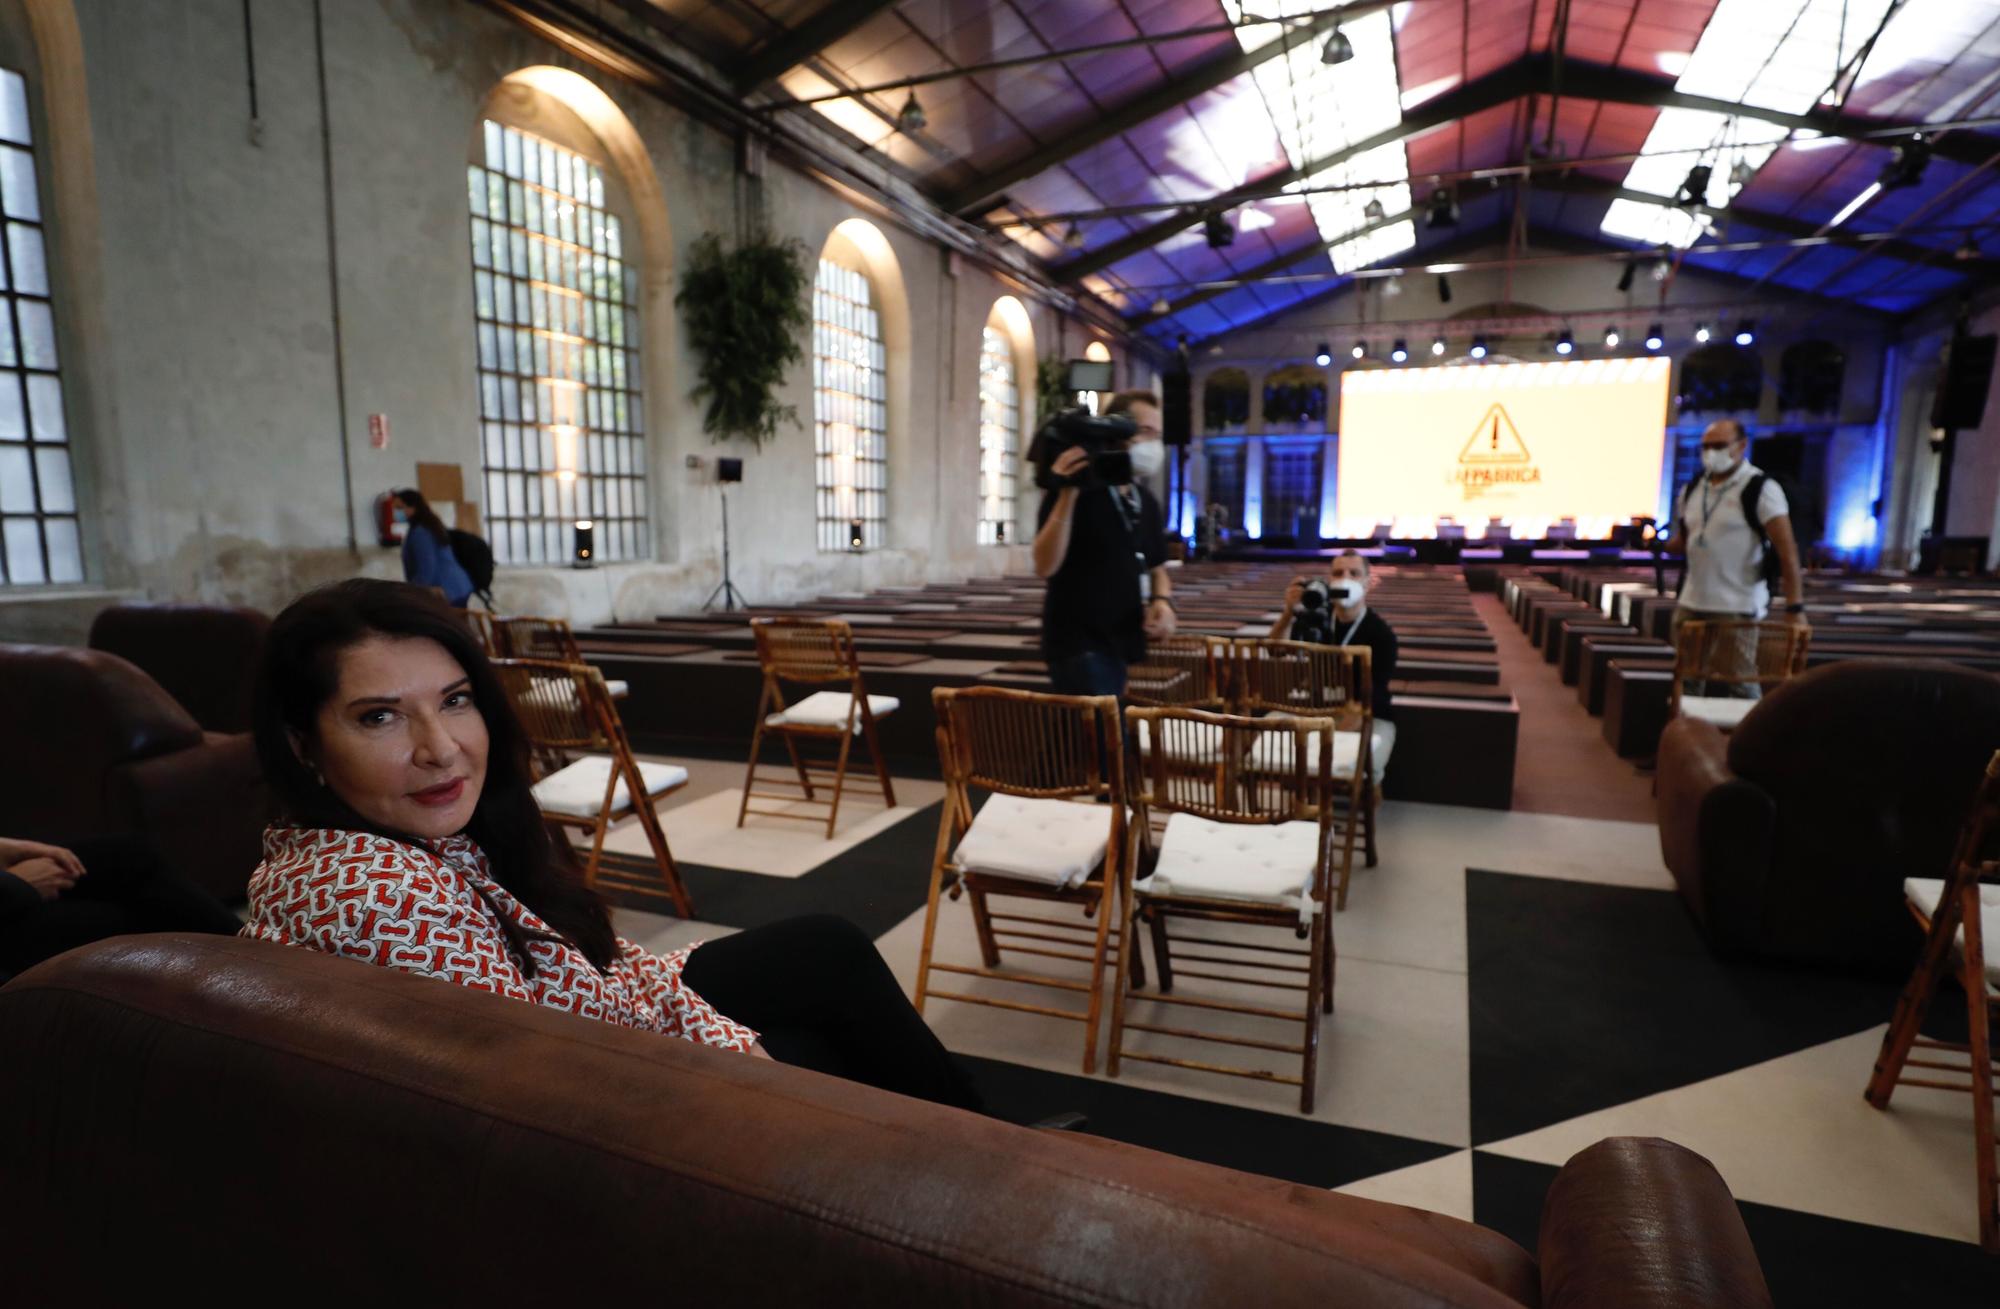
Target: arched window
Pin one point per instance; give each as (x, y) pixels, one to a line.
(556, 296)
(41, 539)
(1721, 378)
(1295, 395)
(999, 435)
(1225, 400)
(850, 409)
(1810, 375)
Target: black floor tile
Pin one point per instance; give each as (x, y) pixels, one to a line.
(1273, 1144)
(1586, 996)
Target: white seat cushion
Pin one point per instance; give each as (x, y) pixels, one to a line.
(1055, 842)
(1185, 744)
(1725, 711)
(1273, 753)
(829, 709)
(1262, 863)
(618, 687)
(578, 790)
(1924, 892)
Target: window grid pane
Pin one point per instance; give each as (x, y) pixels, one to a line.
(999, 436)
(560, 428)
(40, 532)
(850, 412)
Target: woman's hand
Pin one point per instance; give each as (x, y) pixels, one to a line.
(1160, 620)
(15, 852)
(49, 878)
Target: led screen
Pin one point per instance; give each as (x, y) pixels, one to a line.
(1525, 443)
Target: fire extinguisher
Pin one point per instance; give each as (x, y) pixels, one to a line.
(389, 529)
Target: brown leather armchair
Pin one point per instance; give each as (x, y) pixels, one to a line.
(324, 1130)
(203, 655)
(1790, 837)
(91, 746)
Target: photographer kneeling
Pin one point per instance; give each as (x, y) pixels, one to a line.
(1100, 543)
(1335, 612)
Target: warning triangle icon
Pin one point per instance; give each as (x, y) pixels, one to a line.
(1494, 441)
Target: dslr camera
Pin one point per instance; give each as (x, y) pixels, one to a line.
(1313, 621)
(1103, 438)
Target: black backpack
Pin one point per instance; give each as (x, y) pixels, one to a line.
(476, 558)
(1768, 566)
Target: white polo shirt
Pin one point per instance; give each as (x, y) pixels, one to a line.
(1722, 550)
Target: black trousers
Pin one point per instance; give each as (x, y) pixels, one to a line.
(123, 891)
(820, 996)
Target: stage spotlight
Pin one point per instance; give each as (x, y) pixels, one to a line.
(1444, 209)
(1662, 267)
(1740, 174)
(1625, 278)
(1655, 337)
(1218, 231)
(1611, 338)
(1392, 286)
(1400, 351)
(1324, 355)
(1745, 332)
(1701, 334)
(911, 117)
(1565, 343)
(1337, 50)
(1161, 305)
(1373, 211)
(1444, 289)
(1437, 346)
(1073, 238)
(1694, 190)
(1478, 350)
(1360, 349)
(1907, 162)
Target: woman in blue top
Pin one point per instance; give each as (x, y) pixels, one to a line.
(427, 556)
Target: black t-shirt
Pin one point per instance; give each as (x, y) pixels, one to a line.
(1092, 602)
(1375, 633)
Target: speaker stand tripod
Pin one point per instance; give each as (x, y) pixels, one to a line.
(732, 599)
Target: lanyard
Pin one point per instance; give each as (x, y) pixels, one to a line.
(1349, 638)
(1128, 515)
(1708, 507)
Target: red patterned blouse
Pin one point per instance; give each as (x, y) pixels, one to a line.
(433, 909)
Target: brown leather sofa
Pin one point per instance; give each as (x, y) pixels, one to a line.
(1790, 837)
(202, 654)
(91, 746)
(227, 1113)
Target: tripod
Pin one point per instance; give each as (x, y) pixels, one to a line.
(732, 599)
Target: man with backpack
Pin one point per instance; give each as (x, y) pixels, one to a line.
(1734, 526)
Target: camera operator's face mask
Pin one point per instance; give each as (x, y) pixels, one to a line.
(1148, 458)
(1345, 590)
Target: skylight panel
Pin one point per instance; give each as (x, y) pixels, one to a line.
(1321, 108)
(1775, 54)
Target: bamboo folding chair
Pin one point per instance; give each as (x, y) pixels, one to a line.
(1959, 914)
(1739, 652)
(481, 623)
(588, 777)
(1252, 844)
(523, 637)
(813, 652)
(1052, 830)
(1297, 677)
(1180, 670)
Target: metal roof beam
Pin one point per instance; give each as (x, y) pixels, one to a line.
(1269, 268)
(794, 46)
(968, 198)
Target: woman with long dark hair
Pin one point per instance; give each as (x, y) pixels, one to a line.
(409, 837)
(427, 555)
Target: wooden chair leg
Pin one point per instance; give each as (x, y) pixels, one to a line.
(663, 855)
(1162, 962)
(881, 764)
(1371, 798)
(750, 774)
(839, 782)
(1911, 1006)
(1309, 1060)
(1095, 1008)
(1979, 1039)
(982, 922)
(1122, 981)
(944, 839)
(798, 765)
(1326, 970)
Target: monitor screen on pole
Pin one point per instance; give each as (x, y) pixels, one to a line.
(1529, 443)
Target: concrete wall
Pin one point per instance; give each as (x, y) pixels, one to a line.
(211, 367)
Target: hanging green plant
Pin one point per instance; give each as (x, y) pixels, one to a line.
(1051, 387)
(746, 311)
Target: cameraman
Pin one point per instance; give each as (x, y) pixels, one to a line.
(1336, 612)
(1104, 553)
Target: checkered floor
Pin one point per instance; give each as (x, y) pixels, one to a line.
(1510, 987)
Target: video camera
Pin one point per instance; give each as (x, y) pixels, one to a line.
(1103, 437)
(1314, 619)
